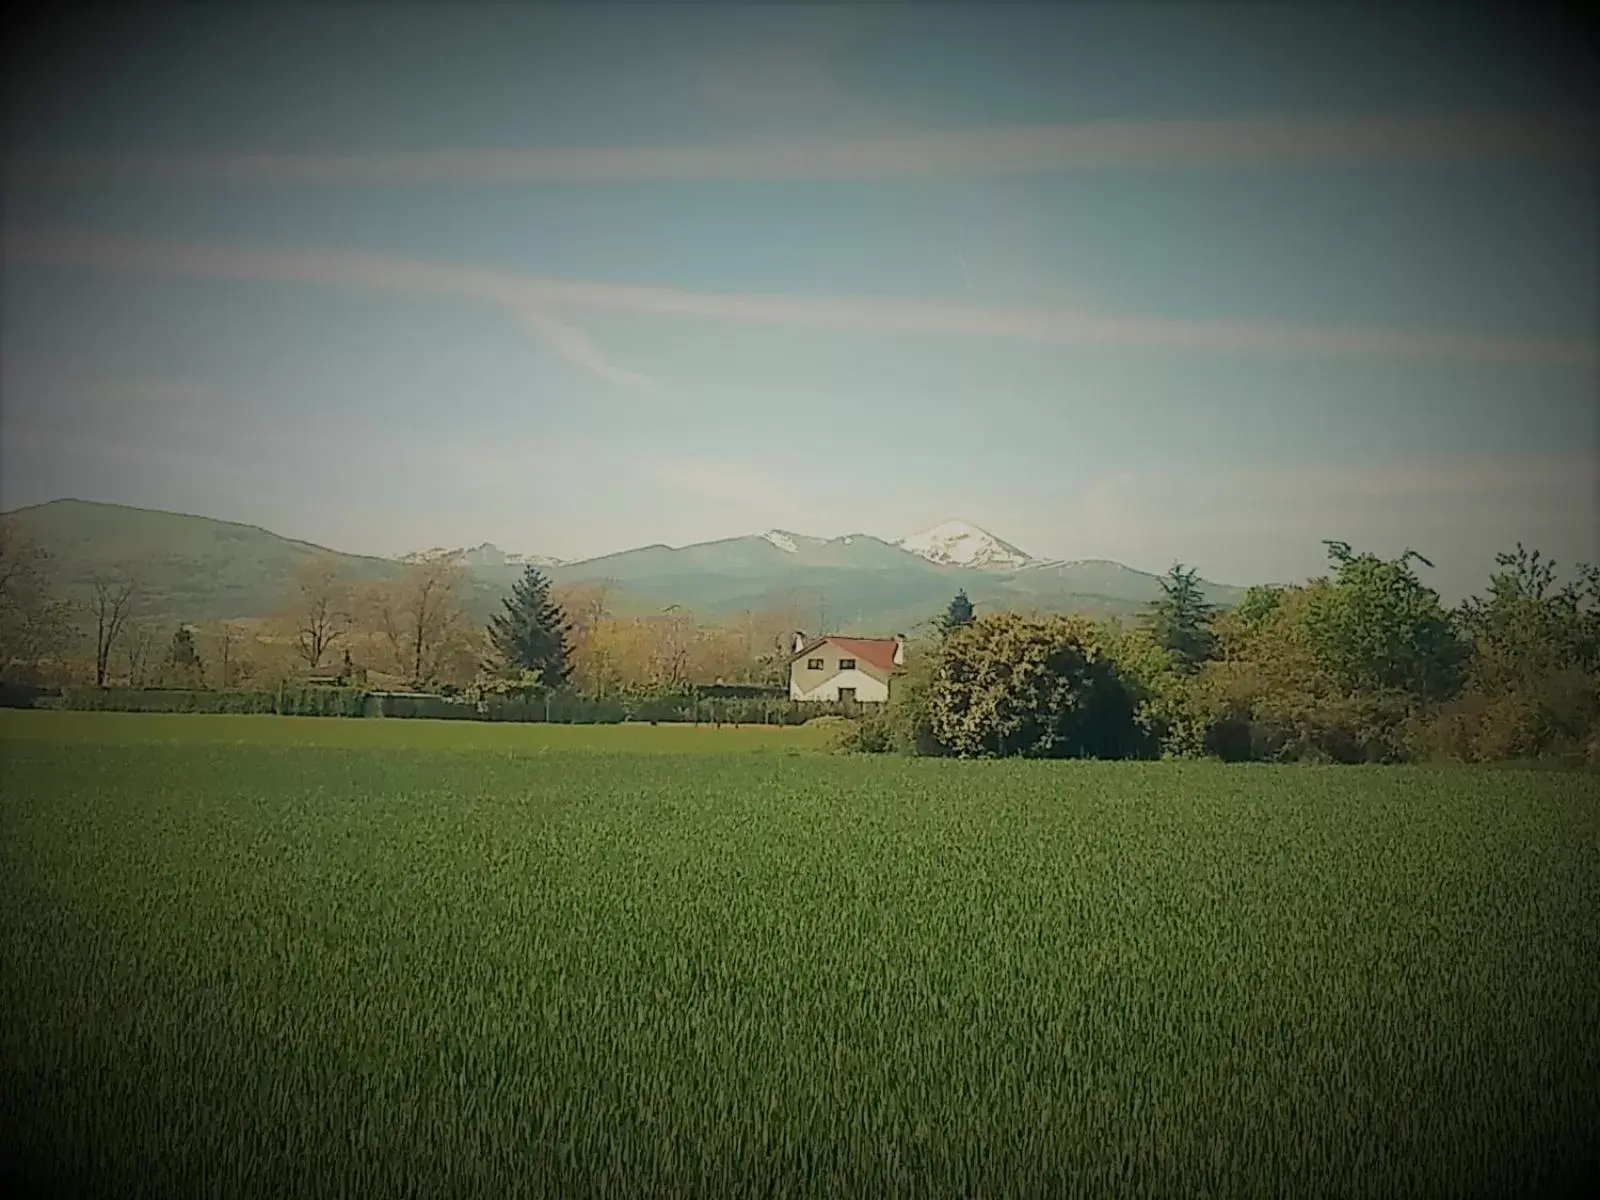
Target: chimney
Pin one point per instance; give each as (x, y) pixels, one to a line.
(799, 642)
(899, 649)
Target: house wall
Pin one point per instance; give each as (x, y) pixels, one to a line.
(869, 689)
(871, 683)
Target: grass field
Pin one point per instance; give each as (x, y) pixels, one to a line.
(224, 729)
(256, 956)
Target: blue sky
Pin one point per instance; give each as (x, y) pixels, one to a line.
(1148, 284)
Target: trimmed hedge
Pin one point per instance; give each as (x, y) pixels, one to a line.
(93, 699)
(561, 709)
(14, 694)
(406, 704)
(296, 702)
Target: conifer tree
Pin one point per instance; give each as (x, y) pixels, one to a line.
(531, 634)
(183, 659)
(1180, 621)
(958, 614)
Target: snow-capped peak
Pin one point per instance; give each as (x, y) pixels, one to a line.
(958, 544)
(783, 541)
(485, 555)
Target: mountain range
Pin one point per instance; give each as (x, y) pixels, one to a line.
(197, 568)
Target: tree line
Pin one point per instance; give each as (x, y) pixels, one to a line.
(1361, 664)
(416, 631)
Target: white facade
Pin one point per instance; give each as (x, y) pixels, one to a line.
(868, 689)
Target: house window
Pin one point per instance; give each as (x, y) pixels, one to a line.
(813, 664)
(847, 664)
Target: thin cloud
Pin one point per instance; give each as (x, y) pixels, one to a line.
(1260, 141)
(525, 294)
(572, 344)
(333, 267)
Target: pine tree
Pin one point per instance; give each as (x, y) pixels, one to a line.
(958, 614)
(531, 634)
(1180, 621)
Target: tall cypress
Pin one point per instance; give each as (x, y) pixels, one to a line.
(531, 634)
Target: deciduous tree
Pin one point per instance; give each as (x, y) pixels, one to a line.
(1042, 689)
(420, 619)
(225, 644)
(1533, 676)
(113, 597)
(1527, 628)
(320, 615)
(671, 636)
(1381, 629)
(140, 640)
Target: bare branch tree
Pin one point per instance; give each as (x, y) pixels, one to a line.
(113, 597)
(225, 639)
(322, 608)
(672, 637)
(140, 641)
(421, 617)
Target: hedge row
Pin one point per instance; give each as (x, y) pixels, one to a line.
(299, 702)
(23, 695)
(353, 702)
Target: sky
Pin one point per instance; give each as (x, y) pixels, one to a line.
(1146, 283)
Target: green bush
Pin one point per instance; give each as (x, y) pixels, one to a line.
(1036, 688)
(1557, 716)
(840, 732)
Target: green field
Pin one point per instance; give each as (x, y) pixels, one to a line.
(324, 733)
(258, 956)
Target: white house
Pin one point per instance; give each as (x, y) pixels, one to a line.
(836, 668)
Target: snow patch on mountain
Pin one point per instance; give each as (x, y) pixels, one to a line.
(958, 544)
(783, 541)
(485, 555)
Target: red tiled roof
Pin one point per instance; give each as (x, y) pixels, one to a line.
(877, 651)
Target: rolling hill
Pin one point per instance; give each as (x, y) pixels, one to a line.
(190, 568)
(197, 568)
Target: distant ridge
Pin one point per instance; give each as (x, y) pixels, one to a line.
(191, 567)
(199, 568)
